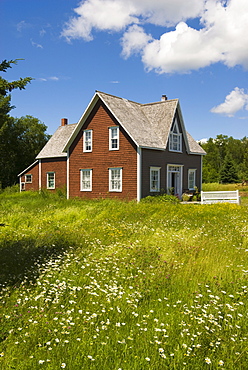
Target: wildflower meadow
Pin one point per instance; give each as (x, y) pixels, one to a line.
(114, 285)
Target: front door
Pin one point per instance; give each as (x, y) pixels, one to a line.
(174, 180)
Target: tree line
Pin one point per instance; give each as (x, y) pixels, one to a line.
(226, 160)
(21, 139)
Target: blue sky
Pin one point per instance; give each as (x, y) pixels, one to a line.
(195, 51)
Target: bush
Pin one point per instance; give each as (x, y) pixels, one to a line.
(186, 197)
(160, 199)
(11, 189)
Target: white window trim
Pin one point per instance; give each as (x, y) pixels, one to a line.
(179, 138)
(191, 170)
(84, 141)
(110, 180)
(50, 187)
(81, 179)
(158, 188)
(110, 137)
(28, 182)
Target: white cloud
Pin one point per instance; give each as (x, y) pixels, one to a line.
(36, 45)
(202, 141)
(45, 79)
(42, 32)
(235, 101)
(180, 51)
(115, 15)
(134, 41)
(103, 15)
(22, 25)
(223, 35)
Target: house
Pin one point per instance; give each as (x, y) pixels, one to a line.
(119, 148)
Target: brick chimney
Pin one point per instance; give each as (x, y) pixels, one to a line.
(64, 121)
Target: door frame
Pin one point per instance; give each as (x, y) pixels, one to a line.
(178, 170)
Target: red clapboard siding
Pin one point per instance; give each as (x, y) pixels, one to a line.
(101, 158)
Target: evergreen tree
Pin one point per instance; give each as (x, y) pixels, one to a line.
(211, 162)
(6, 87)
(21, 139)
(228, 173)
(217, 150)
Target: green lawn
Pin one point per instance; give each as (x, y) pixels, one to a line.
(115, 285)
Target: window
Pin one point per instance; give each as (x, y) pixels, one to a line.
(113, 138)
(28, 178)
(175, 140)
(50, 180)
(191, 179)
(86, 180)
(87, 139)
(154, 179)
(115, 179)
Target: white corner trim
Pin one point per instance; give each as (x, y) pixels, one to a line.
(139, 173)
(67, 175)
(39, 174)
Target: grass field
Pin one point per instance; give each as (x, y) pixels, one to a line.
(115, 285)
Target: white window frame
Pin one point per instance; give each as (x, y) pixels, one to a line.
(175, 138)
(112, 138)
(115, 183)
(191, 171)
(83, 186)
(26, 178)
(48, 180)
(155, 170)
(87, 141)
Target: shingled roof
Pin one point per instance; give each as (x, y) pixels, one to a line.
(54, 147)
(147, 124)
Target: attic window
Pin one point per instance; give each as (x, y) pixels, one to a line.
(114, 138)
(87, 138)
(175, 140)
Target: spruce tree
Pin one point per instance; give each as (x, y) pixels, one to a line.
(228, 173)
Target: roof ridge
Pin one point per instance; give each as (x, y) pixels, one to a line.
(118, 97)
(160, 102)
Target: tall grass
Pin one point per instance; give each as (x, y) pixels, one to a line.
(215, 186)
(106, 284)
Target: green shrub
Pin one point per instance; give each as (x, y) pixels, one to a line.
(11, 189)
(186, 197)
(166, 198)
